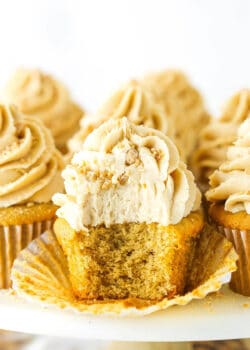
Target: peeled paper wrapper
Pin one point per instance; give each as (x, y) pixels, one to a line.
(240, 281)
(13, 239)
(40, 273)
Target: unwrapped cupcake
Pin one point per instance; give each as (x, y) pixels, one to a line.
(229, 195)
(30, 167)
(132, 101)
(182, 103)
(130, 218)
(37, 94)
(218, 135)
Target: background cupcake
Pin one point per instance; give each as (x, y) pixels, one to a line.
(229, 195)
(37, 94)
(30, 168)
(182, 103)
(218, 135)
(131, 100)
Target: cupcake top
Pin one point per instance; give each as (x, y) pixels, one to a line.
(216, 137)
(38, 94)
(30, 165)
(126, 173)
(183, 104)
(132, 101)
(231, 183)
(237, 109)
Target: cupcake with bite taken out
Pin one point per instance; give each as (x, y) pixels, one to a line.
(229, 195)
(130, 218)
(30, 167)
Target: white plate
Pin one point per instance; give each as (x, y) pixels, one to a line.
(224, 315)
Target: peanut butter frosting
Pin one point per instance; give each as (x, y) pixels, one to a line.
(231, 183)
(132, 101)
(126, 173)
(182, 103)
(30, 165)
(237, 109)
(216, 137)
(38, 94)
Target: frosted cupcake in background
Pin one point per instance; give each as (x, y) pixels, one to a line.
(132, 101)
(218, 135)
(39, 95)
(229, 195)
(129, 221)
(30, 173)
(182, 103)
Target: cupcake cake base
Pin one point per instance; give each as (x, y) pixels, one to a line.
(139, 260)
(19, 225)
(234, 227)
(41, 273)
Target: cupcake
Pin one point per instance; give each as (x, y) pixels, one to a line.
(129, 221)
(30, 169)
(218, 135)
(229, 195)
(38, 94)
(132, 101)
(182, 103)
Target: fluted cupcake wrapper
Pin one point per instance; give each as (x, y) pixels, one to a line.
(13, 239)
(240, 281)
(40, 273)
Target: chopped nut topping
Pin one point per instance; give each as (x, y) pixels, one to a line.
(91, 176)
(107, 174)
(95, 174)
(132, 156)
(106, 185)
(123, 178)
(156, 153)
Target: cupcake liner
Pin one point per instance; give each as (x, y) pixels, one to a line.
(40, 274)
(13, 239)
(240, 281)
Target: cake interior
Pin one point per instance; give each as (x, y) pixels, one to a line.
(145, 261)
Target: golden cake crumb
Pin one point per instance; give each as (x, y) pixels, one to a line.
(132, 260)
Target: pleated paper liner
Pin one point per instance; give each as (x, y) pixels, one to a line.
(13, 239)
(40, 273)
(240, 281)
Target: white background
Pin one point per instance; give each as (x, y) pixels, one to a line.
(93, 46)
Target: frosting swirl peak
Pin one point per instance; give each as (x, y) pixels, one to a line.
(39, 95)
(182, 102)
(126, 173)
(30, 165)
(237, 109)
(231, 183)
(218, 135)
(132, 101)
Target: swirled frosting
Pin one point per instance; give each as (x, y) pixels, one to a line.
(182, 103)
(38, 94)
(215, 139)
(30, 165)
(132, 101)
(218, 135)
(231, 183)
(237, 109)
(126, 173)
